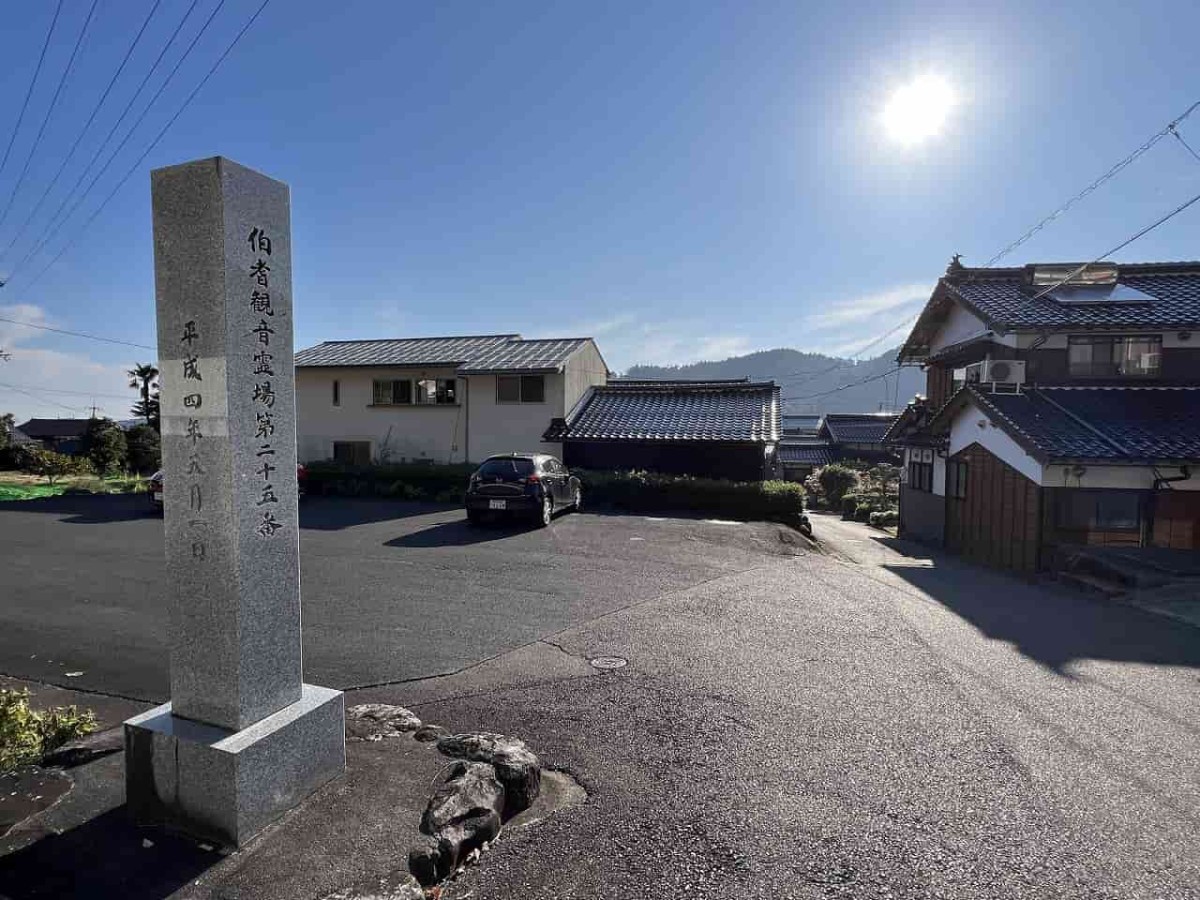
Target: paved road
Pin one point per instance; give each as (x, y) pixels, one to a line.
(879, 723)
(391, 591)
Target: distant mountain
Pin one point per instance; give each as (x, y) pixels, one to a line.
(802, 375)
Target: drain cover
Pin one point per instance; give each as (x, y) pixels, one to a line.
(609, 662)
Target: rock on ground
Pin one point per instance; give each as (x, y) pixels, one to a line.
(375, 721)
(517, 768)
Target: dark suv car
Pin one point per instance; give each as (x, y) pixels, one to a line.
(529, 484)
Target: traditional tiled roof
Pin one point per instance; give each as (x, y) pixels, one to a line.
(812, 453)
(18, 438)
(858, 428)
(673, 411)
(1120, 424)
(435, 351)
(807, 424)
(524, 356)
(1004, 299)
(40, 429)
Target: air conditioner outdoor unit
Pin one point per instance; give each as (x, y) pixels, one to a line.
(1003, 371)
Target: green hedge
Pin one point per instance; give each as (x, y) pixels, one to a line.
(439, 483)
(780, 501)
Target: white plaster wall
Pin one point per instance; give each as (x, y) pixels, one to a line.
(1170, 339)
(1117, 477)
(939, 475)
(430, 432)
(966, 430)
(959, 326)
(511, 427)
(584, 369)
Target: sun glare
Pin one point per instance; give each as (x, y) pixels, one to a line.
(917, 111)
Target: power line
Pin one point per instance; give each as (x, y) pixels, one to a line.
(42, 399)
(78, 334)
(88, 124)
(1121, 246)
(33, 81)
(49, 111)
(154, 143)
(36, 387)
(162, 87)
(1187, 146)
(844, 387)
(1169, 128)
(843, 365)
(51, 228)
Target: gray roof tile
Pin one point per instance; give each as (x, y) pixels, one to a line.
(674, 411)
(524, 356)
(858, 428)
(443, 351)
(806, 454)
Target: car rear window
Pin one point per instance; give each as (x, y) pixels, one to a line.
(506, 468)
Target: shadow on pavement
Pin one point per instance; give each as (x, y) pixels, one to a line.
(88, 509)
(104, 857)
(1053, 627)
(459, 534)
(335, 513)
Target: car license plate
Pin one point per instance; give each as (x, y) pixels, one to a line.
(497, 504)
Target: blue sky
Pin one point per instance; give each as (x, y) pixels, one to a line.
(679, 180)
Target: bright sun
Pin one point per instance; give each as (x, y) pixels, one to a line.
(917, 111)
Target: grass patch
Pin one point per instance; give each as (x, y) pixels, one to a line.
(27, 735)
(22, 486)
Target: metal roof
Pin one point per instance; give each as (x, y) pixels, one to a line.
(674, 411)
(1007, 300)
(471, 355)
(1119, 424)
(858, 428)
(548, 355)
(54, 428)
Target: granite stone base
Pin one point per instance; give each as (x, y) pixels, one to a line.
(226, 786)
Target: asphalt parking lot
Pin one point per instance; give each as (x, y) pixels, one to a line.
(391, 591)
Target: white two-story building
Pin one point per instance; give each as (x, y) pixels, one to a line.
(444, 400)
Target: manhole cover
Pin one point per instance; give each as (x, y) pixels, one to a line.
(609, 662)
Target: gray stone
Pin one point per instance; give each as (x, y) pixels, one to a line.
(469, 789)
(374, 721)
(431, 859)
(235, 585)
(243, 738)
(427, 734)
(226, 786)
(517, 768)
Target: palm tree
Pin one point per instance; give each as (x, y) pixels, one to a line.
(141, 378)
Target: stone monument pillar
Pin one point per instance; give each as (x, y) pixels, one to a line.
(243, 739)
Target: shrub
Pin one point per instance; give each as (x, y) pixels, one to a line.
(862, 512)
(105, 445)
(403, 481)
(781, 501)
(836, 480)
(849, 505)
(51, 465)
(26, 735)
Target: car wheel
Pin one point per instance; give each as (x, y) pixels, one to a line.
(547, 512)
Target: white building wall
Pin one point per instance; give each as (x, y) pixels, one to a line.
(972, 426)
(959, 326)
(416, 432)
(1116, 477)
(584, 369)
(511, 427)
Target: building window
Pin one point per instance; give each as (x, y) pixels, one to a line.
(920, 476)
(520, 389)
(391, 393)
(1112, 356)
(337, 392)
(1078, 510)
(354, 453)
(956, 480)
(437, 390)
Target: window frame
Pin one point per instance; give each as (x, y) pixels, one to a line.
(957, 473)
(920, 476)
(354, 461)
(522, 396)
(1118, 346)
(337, 392)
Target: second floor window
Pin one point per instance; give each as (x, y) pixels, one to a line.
(1114, 356)
(391, 393)
(920, 476)
(520, 389)
(437, 390)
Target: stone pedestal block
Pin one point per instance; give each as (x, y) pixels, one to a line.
(224, 785)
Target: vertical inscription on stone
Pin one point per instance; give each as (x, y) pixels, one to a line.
(223, 284)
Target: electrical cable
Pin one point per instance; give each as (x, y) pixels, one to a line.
(1187, 146)
(55, 222)
(1111, 173)
(49, 111)
(83, 131)
(844, 387)
(41, 399)
(33, 81)
(78, 334)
